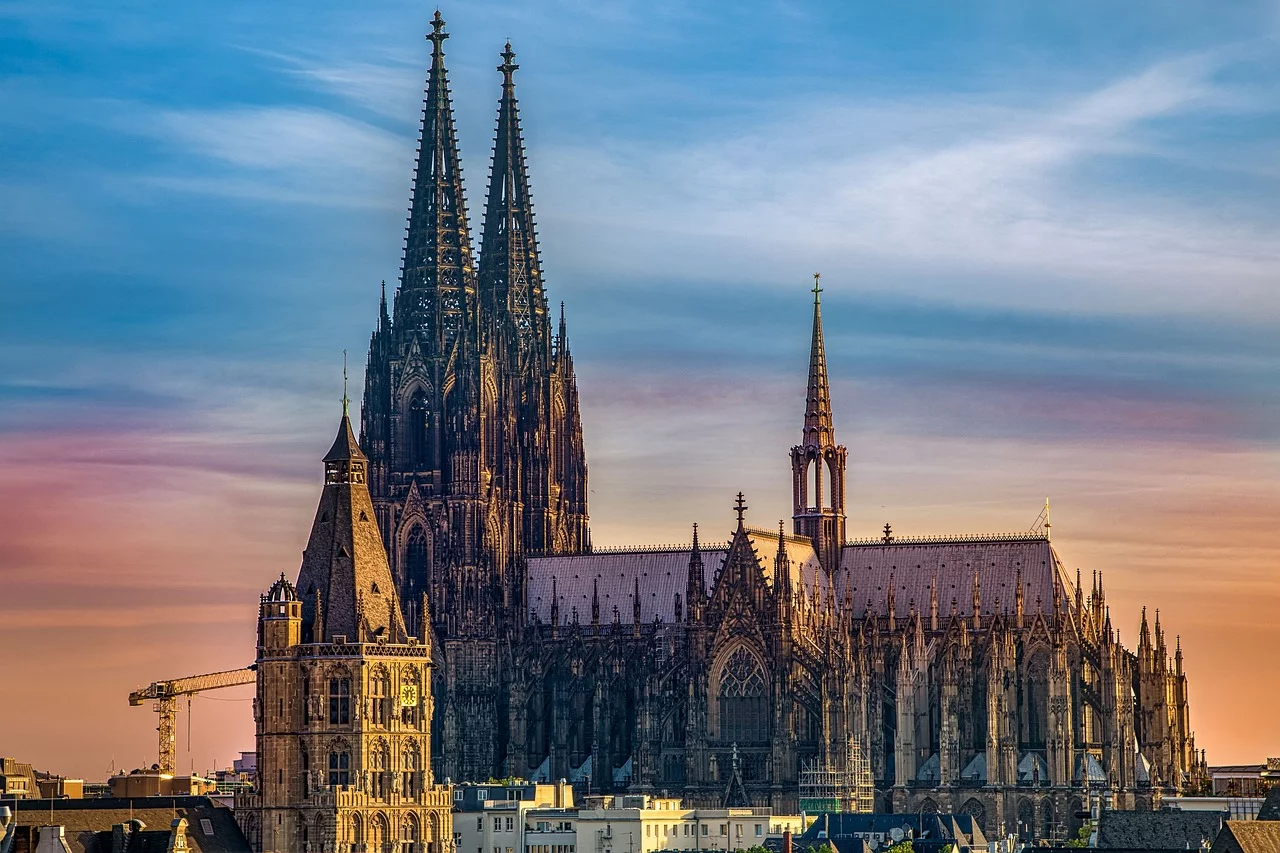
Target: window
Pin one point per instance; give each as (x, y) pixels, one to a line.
(759, 830)
(510, 825)
(378, 686)
(418, 435)
(705, 830)
(339, 701)
(410, 765)
(744, 705)
(306, 699)
(497, 824)
(479, 824)
(724, 829)
(339, 768)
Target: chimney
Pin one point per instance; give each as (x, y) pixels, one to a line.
(786, 841)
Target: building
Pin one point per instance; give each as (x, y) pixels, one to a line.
(17, 780)
(1244, 780)
(495, 817)
(111, 825)
(154, 783)
(343, 706)
(639, 823)
(1165, 829)
(976, 673)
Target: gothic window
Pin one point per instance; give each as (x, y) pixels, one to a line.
(976, 810)
(409, 835)
(1037, 699)
(409, 765)
(339, 701)
(1047, 821)
(744, 705)
(339, 767)
(378, 761)
(417, 430)
(416, 565)
(379, 686)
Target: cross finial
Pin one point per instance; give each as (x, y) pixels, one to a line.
(345, 402)
(888, 533)
(817, 277)
(437, 34)
(507, 66)
(740, 506)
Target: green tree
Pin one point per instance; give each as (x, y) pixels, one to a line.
(1082, 836)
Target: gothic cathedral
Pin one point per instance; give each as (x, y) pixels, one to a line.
(974, 672)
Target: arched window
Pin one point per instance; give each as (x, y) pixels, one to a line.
(409, 765)
(416, 565)
(379, 686)
(339, 701)
(1037, 700)
(339, 767)
(418, 433)
(409, 834)
(744, 704)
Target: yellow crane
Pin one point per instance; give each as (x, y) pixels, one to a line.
(166, 693)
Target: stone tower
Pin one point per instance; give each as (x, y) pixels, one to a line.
(817, 462)
(471, 423)
(343, 707)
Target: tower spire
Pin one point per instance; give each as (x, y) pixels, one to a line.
(510, 272)
(437, 281)
(818, 428)
(818, 463)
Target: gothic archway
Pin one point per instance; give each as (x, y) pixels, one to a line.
(743, 699)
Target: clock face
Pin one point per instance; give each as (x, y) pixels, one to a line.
(408, 695)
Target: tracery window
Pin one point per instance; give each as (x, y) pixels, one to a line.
(339, 768)
(379, 686)
(416, 567)
(417, 431)
(744, 704)
(339, 701)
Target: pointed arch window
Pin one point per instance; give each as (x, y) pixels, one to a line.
(418, 433)
(339, 767)
(416, 563)
(744, 703)
(339, 701)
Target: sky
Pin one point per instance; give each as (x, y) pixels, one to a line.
(1050, 244)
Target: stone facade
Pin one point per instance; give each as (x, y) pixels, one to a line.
(343, 706)
(975, 673)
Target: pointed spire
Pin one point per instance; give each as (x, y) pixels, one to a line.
(977, 601)
(740, 507)
(694, 588)
(437, 281)
(345, 578)
(818, 427)
(510, 273)
(555, 597)
(933, 602)
(1018, 599)
(782, 574)
(635, 607)
(893, 608)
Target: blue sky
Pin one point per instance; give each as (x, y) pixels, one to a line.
(1048, 233)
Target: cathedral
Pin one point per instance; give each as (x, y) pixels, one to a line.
(450, 586)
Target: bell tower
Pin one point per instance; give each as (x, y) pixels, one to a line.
(817, 462)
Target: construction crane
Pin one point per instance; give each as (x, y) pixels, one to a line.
(166, 694)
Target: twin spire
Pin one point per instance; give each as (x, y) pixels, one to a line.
(819, 430)
(442, 294)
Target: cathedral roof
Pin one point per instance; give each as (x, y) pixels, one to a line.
(913, 566)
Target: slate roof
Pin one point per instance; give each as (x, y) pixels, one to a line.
(912, 564)
(913, 567)
(1250, 836)
(1163, 830)
(1270, 808)
(345, 559)
(88, 822)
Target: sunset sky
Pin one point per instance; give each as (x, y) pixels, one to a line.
(1049, 236)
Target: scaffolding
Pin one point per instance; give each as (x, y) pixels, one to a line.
(842, 785)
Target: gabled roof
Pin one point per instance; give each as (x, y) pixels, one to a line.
(1250, 836)
(87, 821)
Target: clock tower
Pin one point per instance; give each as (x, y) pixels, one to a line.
(343, 706)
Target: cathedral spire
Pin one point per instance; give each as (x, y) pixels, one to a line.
(694, 587)
(818, 428)
(818, 463)
(437, 281)
(510, 273)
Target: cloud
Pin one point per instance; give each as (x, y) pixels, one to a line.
(1007, 191)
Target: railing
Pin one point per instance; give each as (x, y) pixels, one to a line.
(1022, 536)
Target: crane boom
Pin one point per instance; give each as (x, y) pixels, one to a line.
(167, 692)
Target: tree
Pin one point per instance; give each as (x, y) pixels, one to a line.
(1082, 836)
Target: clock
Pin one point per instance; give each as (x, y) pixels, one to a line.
(408, 695)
